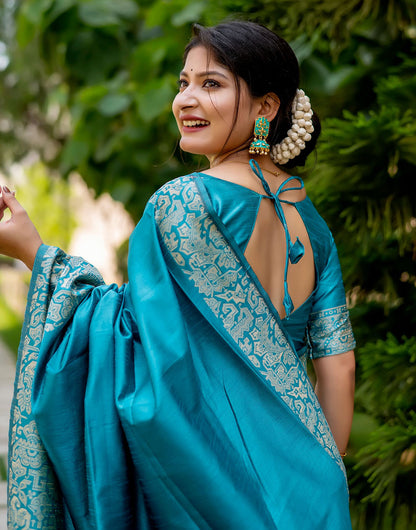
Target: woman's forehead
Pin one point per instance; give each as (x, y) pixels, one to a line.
(200, 59)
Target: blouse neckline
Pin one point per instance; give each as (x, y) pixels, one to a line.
(262, 195)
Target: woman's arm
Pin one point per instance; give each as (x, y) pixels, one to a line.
(19, 238)
(335, 385)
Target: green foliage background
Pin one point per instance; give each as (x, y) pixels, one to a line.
(89, 86)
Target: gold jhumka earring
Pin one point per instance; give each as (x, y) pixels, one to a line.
(259, 146)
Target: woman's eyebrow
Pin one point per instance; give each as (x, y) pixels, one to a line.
(204, 74)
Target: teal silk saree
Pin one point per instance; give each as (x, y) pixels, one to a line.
(179, 400)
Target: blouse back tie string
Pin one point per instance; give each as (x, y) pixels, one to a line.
(294, 251)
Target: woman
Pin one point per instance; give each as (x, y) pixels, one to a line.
(181, 400)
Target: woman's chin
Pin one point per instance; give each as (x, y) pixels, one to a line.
(192, 147)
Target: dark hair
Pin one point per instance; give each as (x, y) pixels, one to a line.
(265, 62)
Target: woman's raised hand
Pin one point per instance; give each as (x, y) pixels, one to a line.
(19, 238)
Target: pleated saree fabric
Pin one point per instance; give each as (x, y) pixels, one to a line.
(179, 400)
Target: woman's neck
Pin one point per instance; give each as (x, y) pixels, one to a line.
(231, 156)
(243, 157)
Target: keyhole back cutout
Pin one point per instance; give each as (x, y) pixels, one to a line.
(266, 254)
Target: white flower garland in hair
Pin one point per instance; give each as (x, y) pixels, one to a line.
(298, 134)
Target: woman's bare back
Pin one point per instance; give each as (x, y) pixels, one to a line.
(266, 249)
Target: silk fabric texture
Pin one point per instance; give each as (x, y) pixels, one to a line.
(176, 401)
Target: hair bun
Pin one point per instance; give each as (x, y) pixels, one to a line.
(299, 133)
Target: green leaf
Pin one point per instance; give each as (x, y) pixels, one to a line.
(113, 104)
(156, 98)
(74, 152)
(191, 13)
(147, 57)
(34, 11)
(92, 55)
(57, 9)
(30, 18)
(91, 95)
(158, 13)
(407, 147)
(99, 13)
(123, 190)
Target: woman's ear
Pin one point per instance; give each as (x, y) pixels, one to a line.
(269, 106)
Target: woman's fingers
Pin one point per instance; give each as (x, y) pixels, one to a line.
(2, 207)
(18, 236)
(10, 201)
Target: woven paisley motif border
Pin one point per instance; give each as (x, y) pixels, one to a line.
(33, 493)
(32, 500)
(335, 324)
(204, 255)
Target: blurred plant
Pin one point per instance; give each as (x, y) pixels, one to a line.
(385, 475)
(364, 186)
(48, 200)
(97, 97)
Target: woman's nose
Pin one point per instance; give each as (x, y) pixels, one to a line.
(187, 98)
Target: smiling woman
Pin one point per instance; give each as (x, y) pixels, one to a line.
(207, 103)
(181, 399)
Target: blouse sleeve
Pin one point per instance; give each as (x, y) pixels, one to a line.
(329, 329)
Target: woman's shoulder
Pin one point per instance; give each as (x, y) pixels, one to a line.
(312, 217)
(318, 230)
(174, 187)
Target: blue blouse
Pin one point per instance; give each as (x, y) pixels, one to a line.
(321, 325)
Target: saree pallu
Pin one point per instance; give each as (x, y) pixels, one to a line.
(176, 401)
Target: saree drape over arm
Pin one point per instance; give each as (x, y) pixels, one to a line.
(177, 401)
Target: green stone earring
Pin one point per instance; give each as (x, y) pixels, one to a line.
(259, 146)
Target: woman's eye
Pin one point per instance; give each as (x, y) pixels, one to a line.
(207, 83)
(210, 83)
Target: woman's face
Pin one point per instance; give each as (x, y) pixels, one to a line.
(205, 106)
